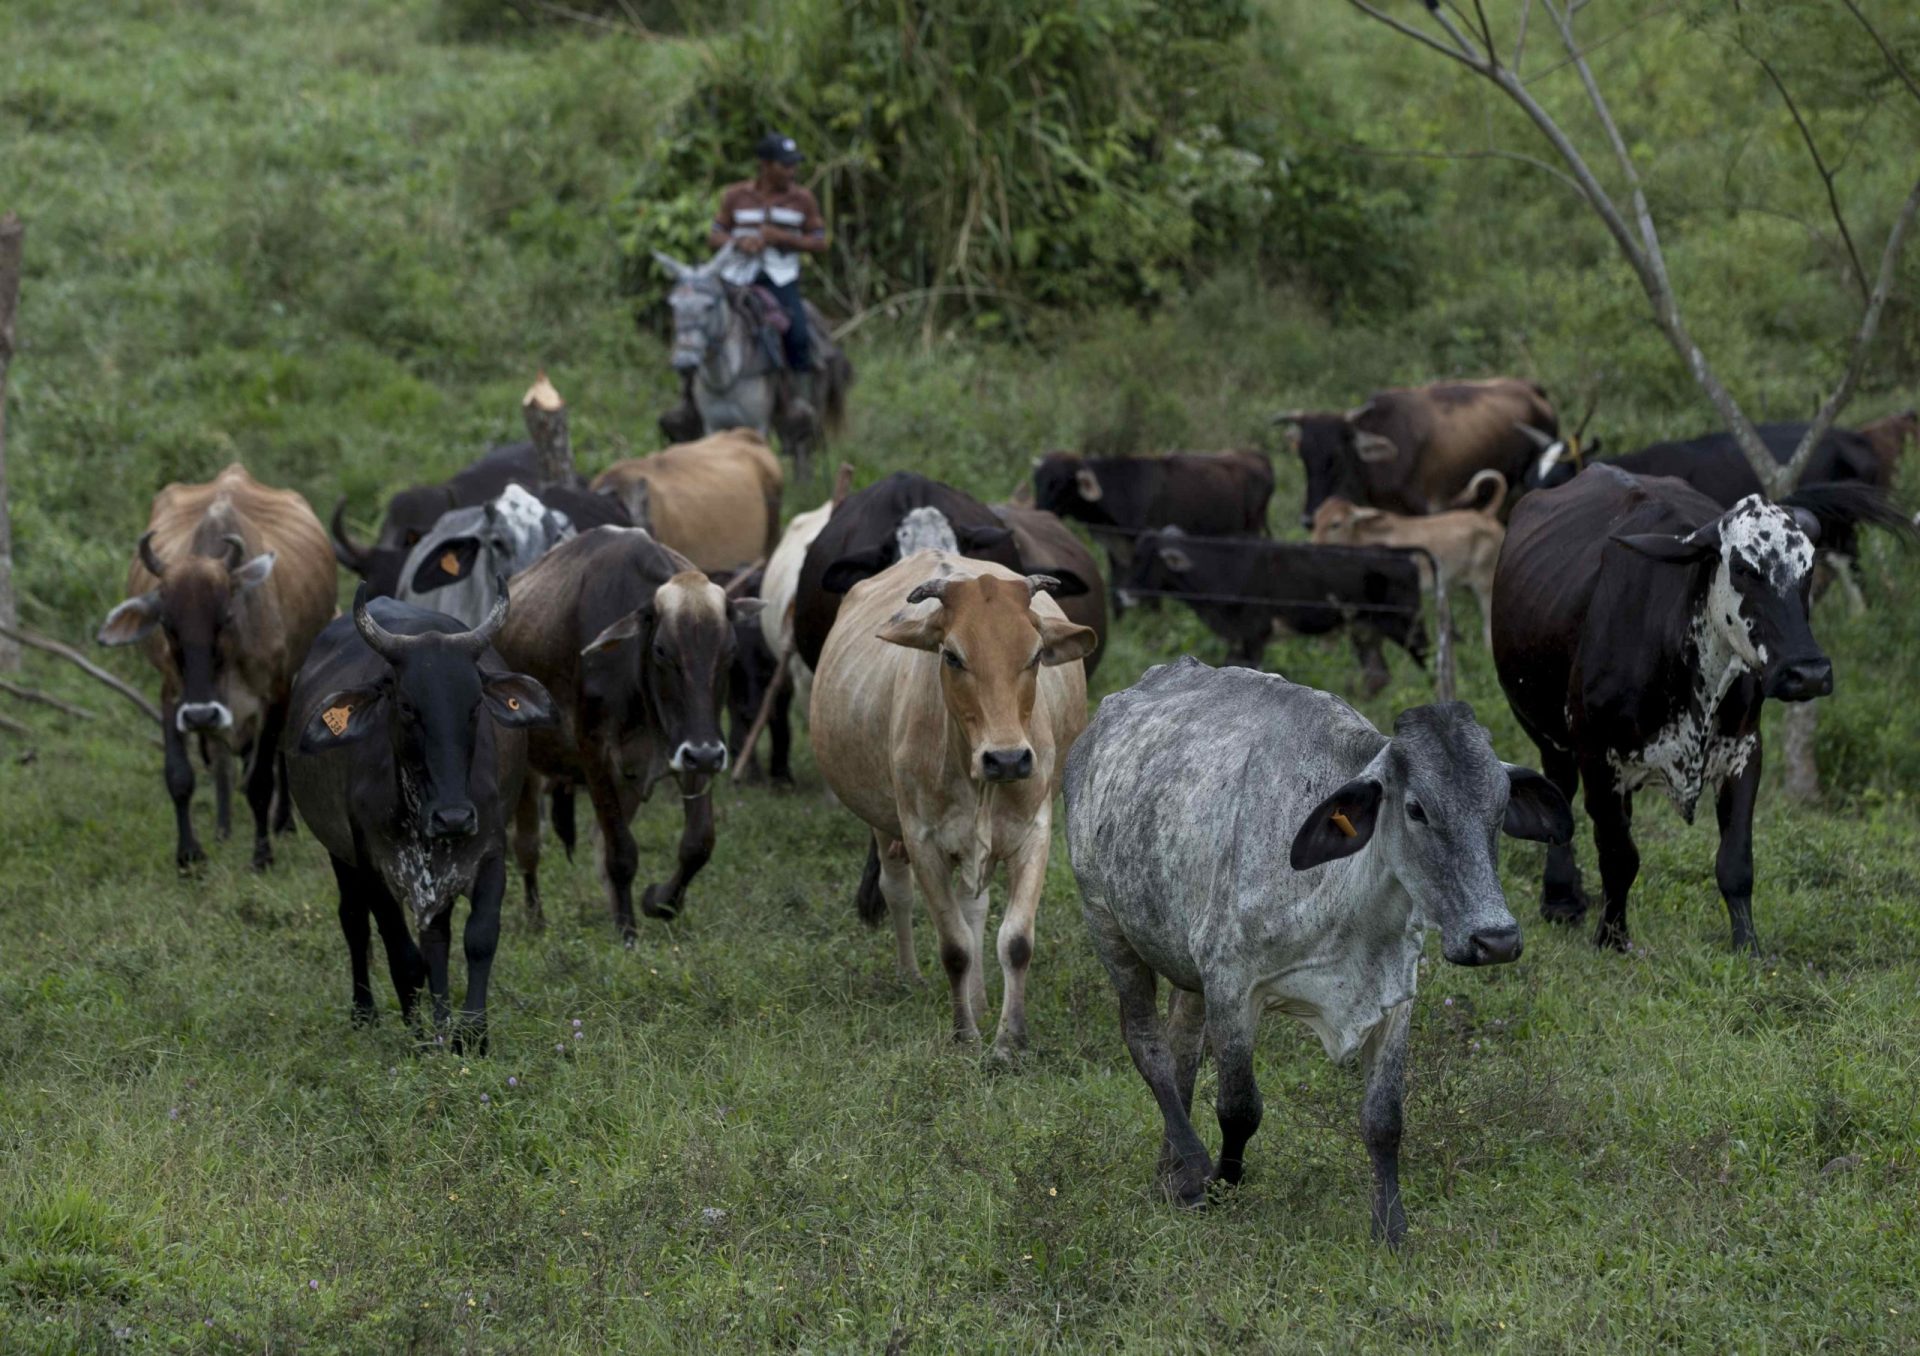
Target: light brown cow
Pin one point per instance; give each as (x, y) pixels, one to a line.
(1464, 543)
(946, 699)
(716, 501)
(228, 588)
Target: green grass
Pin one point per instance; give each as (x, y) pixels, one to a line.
(328, 241)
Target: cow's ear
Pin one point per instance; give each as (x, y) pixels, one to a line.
(974, 539)
(343, 717)
(849, 570)
(131, 621)
(1175, 559)
(1373, 447)
(914, 631)
(450, 562)
(1066, 583)
(630, 627)
(253, 573)
(1062, 642)
(1687, 550)
(1338, 826)
(742, 608)
(1088, 483)
(1535, 808)
(518, 702)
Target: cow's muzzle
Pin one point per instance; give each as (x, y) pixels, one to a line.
(195, 716)
(709, 756)
(685, 361)
(453, 821)
(1800, 681)
(1495, 946)
(1006, 765)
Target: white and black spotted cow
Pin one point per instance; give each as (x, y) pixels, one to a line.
(1261, 845)
(456, 567)
(1637, 628)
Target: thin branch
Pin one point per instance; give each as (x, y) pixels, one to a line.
(1611, 38)
(1893, 59)
(1869, 323)
(1408, 30)
(1460, 39)
(31, 694)
(14, 727)
(1520, 43)
(1489, 154)
(1486, 32)
(87, 666)
(1628, 171)
(594, 20)
(1819, 165)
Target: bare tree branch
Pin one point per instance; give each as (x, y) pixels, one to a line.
(1819, 165)
(1893, 58)
(87, 666)
(1520, 43)
(1789, 475)
(1408, 30)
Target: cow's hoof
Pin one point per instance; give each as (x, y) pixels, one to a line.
(1567, 911)
(1006, 1054)
(1188, 1193)
(287, 829)
(656, 901)
(781, 781)
(222, 832)
(910, 979)
(1612, 937)
(189, 857)
(262, 855)
(1393, 1230)
(364, 1016)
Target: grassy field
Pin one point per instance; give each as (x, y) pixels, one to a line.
(333, 243)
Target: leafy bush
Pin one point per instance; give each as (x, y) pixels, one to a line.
(1060, 154)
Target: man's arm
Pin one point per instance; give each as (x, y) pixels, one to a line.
(720, 235)
(811, 238)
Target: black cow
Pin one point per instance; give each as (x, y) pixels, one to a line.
(1210, 494)
(412, 512)
(1310, 590)
(748, 680)
(407, 753)
(1637, 627)
(1714, 464)
(862, 538)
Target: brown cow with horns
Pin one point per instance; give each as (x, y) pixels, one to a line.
(228, 588)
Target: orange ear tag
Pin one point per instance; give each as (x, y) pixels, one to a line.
(336, 718)
(451, 564)
(1345, 825)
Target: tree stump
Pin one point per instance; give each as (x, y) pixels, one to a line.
(546, 416)
(1798, 729)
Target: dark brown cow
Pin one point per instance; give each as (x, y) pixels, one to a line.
(635, 645)
(1205, 494)
(1414, 449)
(229, 586)
(1890, 436)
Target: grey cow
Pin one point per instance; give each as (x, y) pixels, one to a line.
(1261, 845)
(456, 568)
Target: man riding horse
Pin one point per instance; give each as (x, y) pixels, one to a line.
(763, 226)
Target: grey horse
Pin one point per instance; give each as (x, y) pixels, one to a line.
(735, 382)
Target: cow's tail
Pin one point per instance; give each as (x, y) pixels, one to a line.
(1846, 505)
(1475, 496)
(563, 821)
(868, 899)
(836, 376)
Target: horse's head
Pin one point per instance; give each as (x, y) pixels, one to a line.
(699, 303)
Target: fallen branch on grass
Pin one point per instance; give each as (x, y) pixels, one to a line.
(85, 665)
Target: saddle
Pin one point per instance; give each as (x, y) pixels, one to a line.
(766, 318)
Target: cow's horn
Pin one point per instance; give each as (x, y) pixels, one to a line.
(381, 641)
(236, 550)
(737, 586)
(1289, 417)
(1041, 583)
(1541, 440)
(473, 643)
(352, 553)
(931, 588)
(149, 559)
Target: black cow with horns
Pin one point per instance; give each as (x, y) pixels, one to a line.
(410, 753)
(1637, 628)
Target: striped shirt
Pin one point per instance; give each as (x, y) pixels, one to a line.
(745, 209)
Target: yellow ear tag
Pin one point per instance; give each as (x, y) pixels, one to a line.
(336, 718)
(1345, 825)
(513, 703)
(451, 564)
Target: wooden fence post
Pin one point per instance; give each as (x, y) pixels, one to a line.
(546, 416)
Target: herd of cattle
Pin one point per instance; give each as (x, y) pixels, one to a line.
(1257, 843)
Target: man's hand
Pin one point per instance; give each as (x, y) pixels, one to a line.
(749, 244)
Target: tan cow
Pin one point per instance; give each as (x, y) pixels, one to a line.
(227, 589)
(715, 501)
(946, 698)
(1464, 543)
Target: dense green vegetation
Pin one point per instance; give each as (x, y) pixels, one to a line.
(335, 242)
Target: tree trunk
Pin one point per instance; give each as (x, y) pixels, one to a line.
(12, 236)
(1797, 733)
(546, 416)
